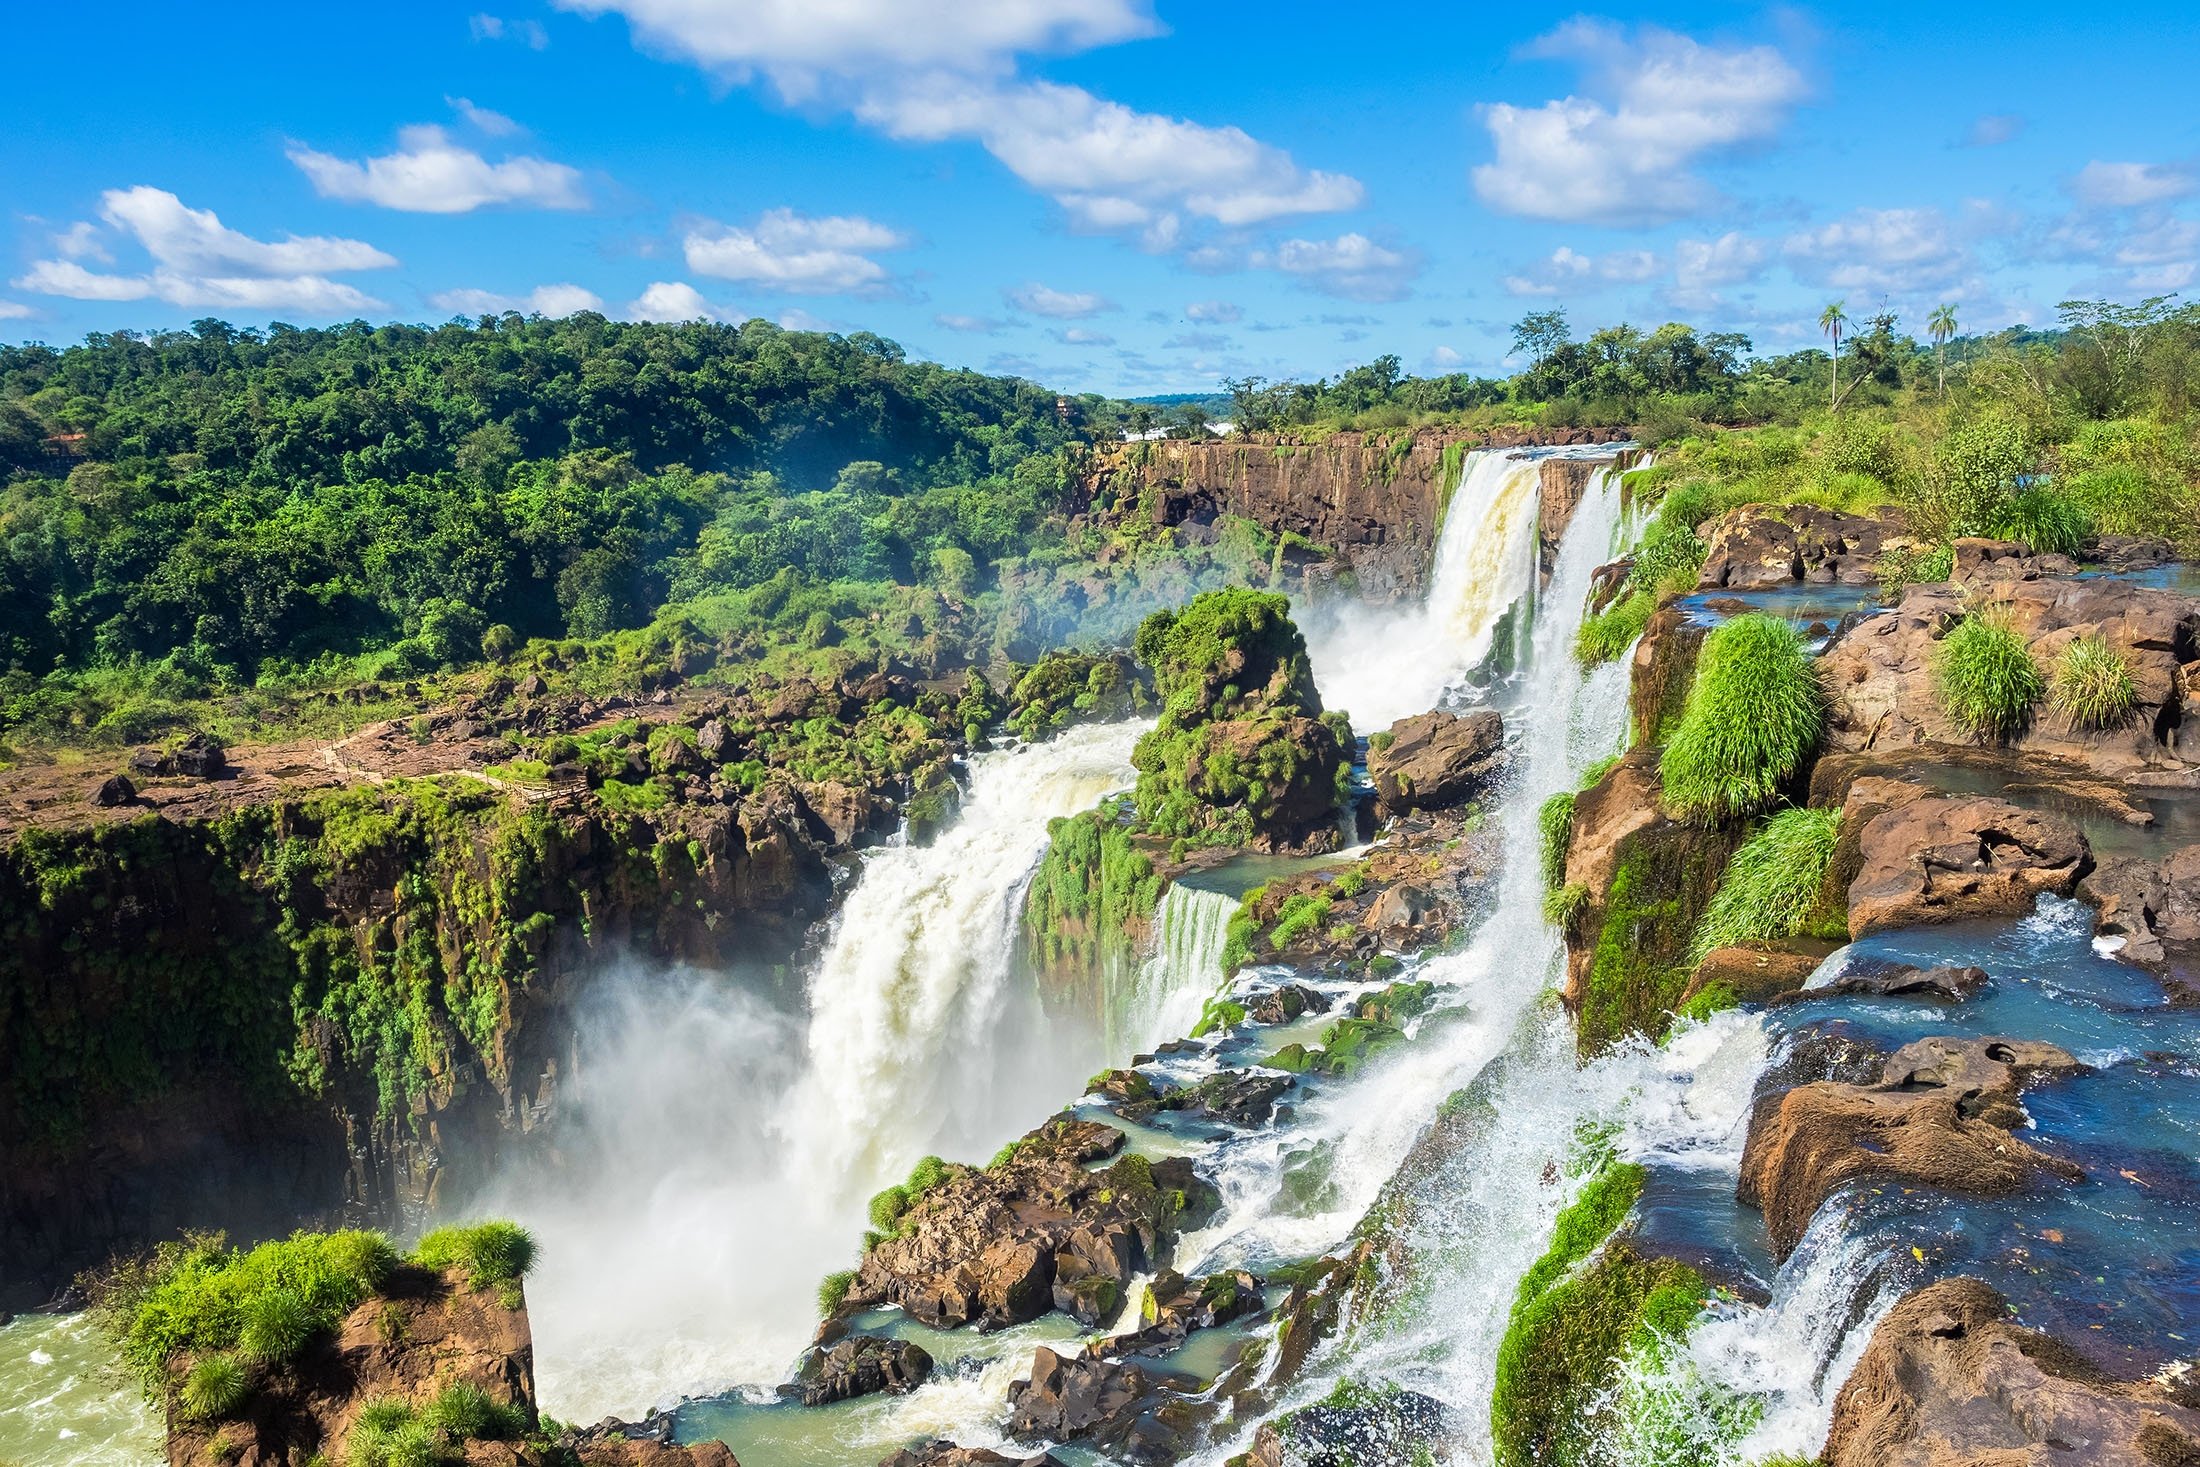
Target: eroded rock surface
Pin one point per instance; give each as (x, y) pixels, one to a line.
(1940, 1115)
(2154, 906)
(1434, 761)
(1948, 1381)
(863, 1365)
(1753, 549)
(1940, 858)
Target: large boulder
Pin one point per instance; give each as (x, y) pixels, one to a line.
(1076, 1397)
(1940, 1115)
(1949, 1381)
(863, 1365)
(1879, 673)
(1433, 761)
(2152, 906)
(1940, 858)
(1754, 548)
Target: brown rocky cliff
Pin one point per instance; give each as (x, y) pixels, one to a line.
(1372, 498)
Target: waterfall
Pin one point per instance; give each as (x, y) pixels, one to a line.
(907, 1049)
(730, 1142)
(1169, 988)
(1380, 664)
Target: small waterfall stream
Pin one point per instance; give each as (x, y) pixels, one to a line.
(1169, 987)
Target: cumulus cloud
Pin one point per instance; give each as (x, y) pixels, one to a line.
(554, 301)
(941, 70)
(1061, 305)
(1702, 268)
(800, 254)
(673, 300)
(1351, 265)
(1567, 268)
(431, 174)
(199, 261)
(528, 33)
(14, 311)
(975, 325)
(1665, 103)
(1196, 341)
(1214, 313)
(1444, 359)
(2131, 185)
(1895, 251)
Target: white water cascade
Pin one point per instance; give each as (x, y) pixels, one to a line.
(731, 1143)
(1172, 984)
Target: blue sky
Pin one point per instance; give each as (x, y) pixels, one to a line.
(1123, 195)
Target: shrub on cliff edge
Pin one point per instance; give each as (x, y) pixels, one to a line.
(1771, 884)
(1753, 716)
(1985, 677)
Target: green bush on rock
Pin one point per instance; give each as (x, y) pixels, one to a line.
(1772, 883)
(215, 1386)
(2090, 685)
(1754, 715)
(1986, 678)
(1555, 825)
(492, 1253)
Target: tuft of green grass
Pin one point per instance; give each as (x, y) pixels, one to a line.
(1754, 715)
(2048, 520)
(833, 1289)
(466, 1413)
(1986, 678)
(1563, 906)
(492, 1253)
(215, 1387)
(1613, 630)
(2090, 685)
(278, 1323)
(1771, 884)
(1555, 821)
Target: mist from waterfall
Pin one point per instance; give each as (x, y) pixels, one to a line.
(720, 1141)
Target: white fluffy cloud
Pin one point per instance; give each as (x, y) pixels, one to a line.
(199, 261)
(432, 174)
(1704, 267)
(1061, 305)
(1627, 156)
(1351, 265)
(1567, 268)
(1896, 251)
(492, 124)
(797, 253)
(975, 325)
(1083, 336)
(1214, 313)
(2131, 185)
(673, 300)
(14, 311)
(941, 70)
(554, 301)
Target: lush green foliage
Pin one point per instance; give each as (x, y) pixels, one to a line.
(1772, 883)
(1563, 906)
(1093, 890)
(1754, 715)
(391, 1433)
(2047, 520)
(1986, 678)
(1606, 634)
(832, 1289)
(1555, 828)
(890, 1205)
(491, 1253)
(2090, 684)
(215, 1386)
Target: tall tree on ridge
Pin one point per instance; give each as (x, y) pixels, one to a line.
(1942, 324)
(1830, 321)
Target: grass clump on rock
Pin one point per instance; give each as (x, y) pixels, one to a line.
(213, 1388)
(492, 1253)
(2090, 685)
(1555, 823)
(1772, 883)
(392, 1433)
(1754, 715)
(1985, 677)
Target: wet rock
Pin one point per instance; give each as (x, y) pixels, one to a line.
(2154, 906)
(1284, 1004)
(863, 1365)
(1090, 1269)
(1434, 761)
(1754, 549)
(946, 1454)
(1949, 1381)
(1939, 1116)
(1175, 1306)
(843, 814)
(609, 1443)
(1358, 1427)
(1903, 980)
(151, 763)
(1750, 973)
(1076, 1398)
(1662, 671)
(114, 791)
(1243, 1098)
(2129, 552)
(1942, 858)
(986, 1246)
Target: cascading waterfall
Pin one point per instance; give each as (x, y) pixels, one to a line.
(1172, 983)
(734, 1143)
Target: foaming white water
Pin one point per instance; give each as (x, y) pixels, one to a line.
(64, 1400)
(1380, 664)
(915, 981)
(727, 1142)
(1174, 981)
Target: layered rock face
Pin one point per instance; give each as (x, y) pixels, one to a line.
(1374, 499)
(1948, 1381)
(1752, 549)
(1434, 761)
(1931, 858)
(1879, 675)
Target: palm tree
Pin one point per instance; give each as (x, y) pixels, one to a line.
(1830, 321)
(1943, 325)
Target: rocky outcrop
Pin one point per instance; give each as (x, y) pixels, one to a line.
(862, 1365)
(1434, 761)
(1662, 672)
(1084, 1398)
(1940, 1115)
(1949, 1381)
(1755, 548)
(1645, 882)
(2154, 907)
(946, 1454)
(1879, 673)
(1033, 1232)
(1373, 500)
(1750, 972)
(1941, 858)
(1945, 984)
(1362, 1428)
(1175, 1306)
